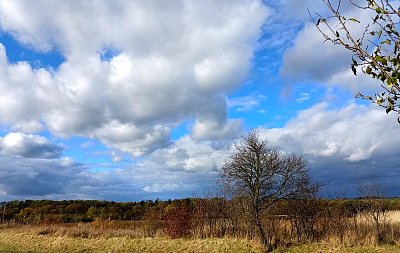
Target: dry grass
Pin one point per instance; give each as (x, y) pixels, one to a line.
(145, 236)
(30, 239)
(393, 216)
(107, 238)
(329, 248)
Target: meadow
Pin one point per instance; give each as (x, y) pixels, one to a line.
(200, 225)
(80, 238)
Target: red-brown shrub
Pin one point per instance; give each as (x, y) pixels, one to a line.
(177, 221)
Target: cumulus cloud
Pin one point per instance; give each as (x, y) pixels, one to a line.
(173, 61)
(309, 59)
(321, 131)
(344, 146)
(28, 145)
(213, 129)
(31, 167)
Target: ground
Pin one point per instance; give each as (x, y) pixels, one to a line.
(17, 241)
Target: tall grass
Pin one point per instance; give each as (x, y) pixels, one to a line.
(297, 223)
(66, 239)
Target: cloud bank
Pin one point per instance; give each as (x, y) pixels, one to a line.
(132, 71)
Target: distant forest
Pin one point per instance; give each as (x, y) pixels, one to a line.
(70, 211)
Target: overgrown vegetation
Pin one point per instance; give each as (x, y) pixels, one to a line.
(348, 222)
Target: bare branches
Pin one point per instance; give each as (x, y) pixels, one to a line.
(376, 51)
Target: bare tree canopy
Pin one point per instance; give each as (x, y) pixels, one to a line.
(376, 50)
(262, 175)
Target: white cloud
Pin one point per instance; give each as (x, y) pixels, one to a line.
(161, 187)
(212, 129)
(304, 96)
(353, 133)
(246, 103)
(312, 59)
(175, 61)
(344, 146)
(28, 145)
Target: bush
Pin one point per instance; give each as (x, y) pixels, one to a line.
(177, 221)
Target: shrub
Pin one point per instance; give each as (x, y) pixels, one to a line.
(177, 221)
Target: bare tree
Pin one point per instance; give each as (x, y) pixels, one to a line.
(262, 175)
(375, 207)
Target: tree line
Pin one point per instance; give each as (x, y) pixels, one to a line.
(70, 211)
(307, 219)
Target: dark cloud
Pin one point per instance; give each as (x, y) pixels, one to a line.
(345, 147)
(27, 177)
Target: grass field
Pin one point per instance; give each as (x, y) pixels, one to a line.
(326, 248)
(15, 240)
(11, 241)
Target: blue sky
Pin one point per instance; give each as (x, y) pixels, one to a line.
(143, 100)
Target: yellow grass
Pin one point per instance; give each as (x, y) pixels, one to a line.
(393, 216)
(13, 241)
(89, 238)
(329, 248)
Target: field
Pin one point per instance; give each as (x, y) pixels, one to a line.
(68, 239)
(207, 226)
(32, 240)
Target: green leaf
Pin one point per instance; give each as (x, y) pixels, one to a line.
(381, 59)
(389, 82)
(368, 70)
(378, 10)
(355, 20)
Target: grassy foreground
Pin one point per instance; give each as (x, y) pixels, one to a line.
(17, 241)
(326, 248)
(23, 242)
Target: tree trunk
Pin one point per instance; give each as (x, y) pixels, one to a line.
(264, 240)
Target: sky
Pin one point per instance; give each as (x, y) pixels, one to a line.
(131, 100)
